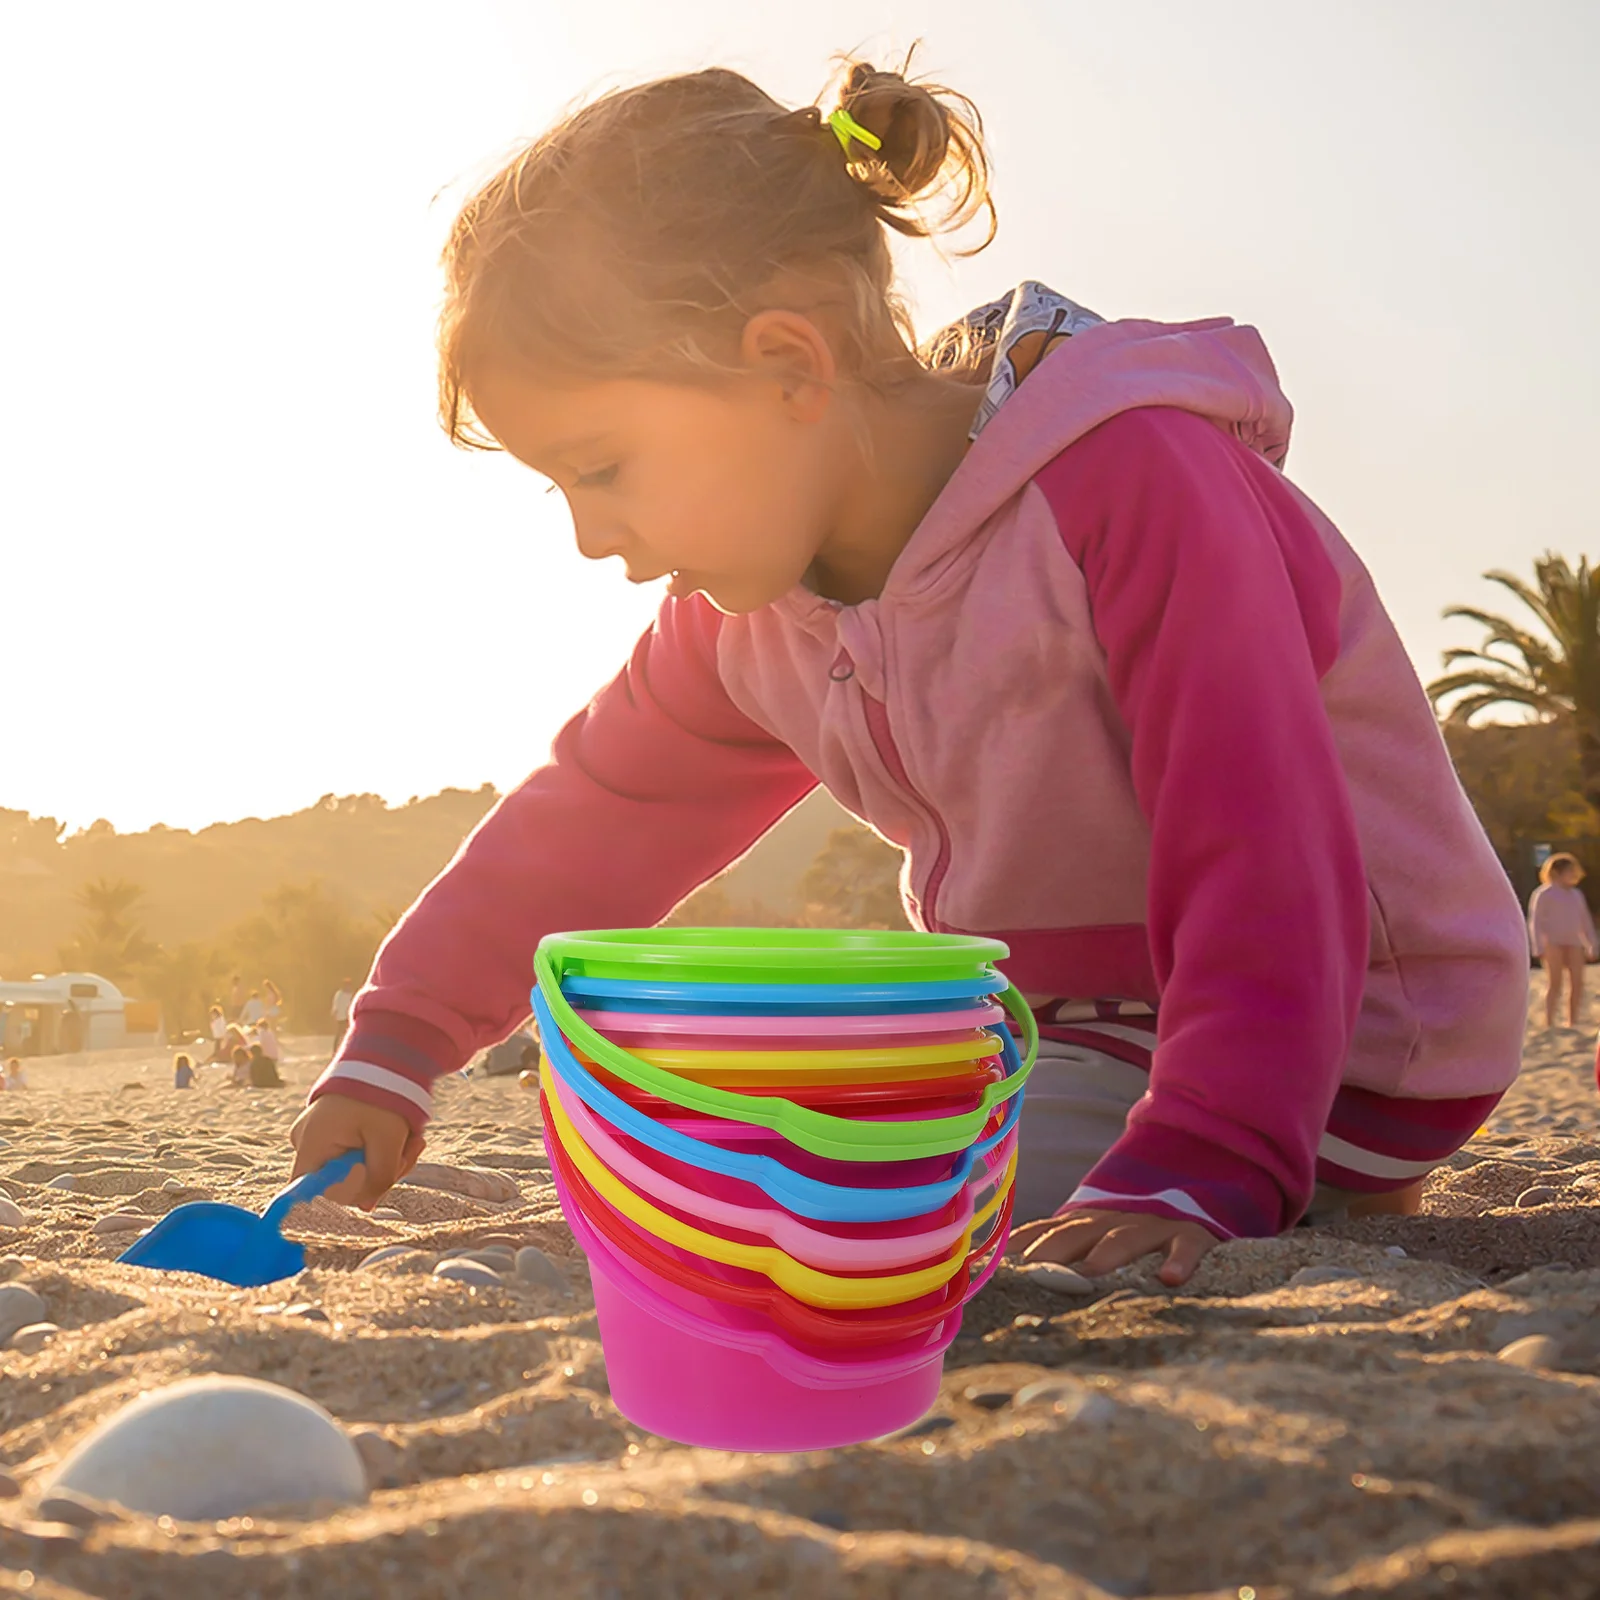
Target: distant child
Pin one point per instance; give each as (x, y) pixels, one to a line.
(1561, 929)
(267, 1040)
(254, 1009)
(263, 1070)
(240, 1078)
(271, 1001)
(182, 1072)
(219, 1031)
(16, 1078)
(1035, 599)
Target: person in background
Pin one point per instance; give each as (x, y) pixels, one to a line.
(344, 997)
(1561, 930)
(218, 1024)
(15, 1077)
(182, 1071)
(267, 1040)
(262, 1070)
(271, 1001)
(254, 1010)
(241, 1069)
(235, 998)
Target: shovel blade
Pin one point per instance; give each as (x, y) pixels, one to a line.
(217, 1241)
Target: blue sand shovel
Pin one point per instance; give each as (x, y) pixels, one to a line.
(231, 1244)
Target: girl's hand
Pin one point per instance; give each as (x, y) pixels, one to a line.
(1101, 1241)
(336, 1123)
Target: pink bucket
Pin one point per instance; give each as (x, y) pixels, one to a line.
(734, 1383)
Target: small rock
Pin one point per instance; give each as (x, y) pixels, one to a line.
(9, 1487)
(388, 1214)
(1307, 1276)
(473, 1273)
(10, 1266)
(1057, 1279)
(474, 1182)
(988, 1399)
(389, 1252)
(380, 1455)
(918, 1430)
(11, 1214)
(534, 1266)
(75, 1511)
(500, 1261)
(19, 1308)
(121, 1222)
(30, 1340)
(1398, 1251)
(1541, 1194)
(64, 1180)
(174, 1186)
(306, 1312)
(1537, 1350)
(177, 1452)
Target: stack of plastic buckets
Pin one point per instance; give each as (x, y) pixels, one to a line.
(788, 1155)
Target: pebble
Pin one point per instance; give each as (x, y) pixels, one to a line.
(10, 1266)
(174, 1186)
(1311, 1275)
(75, 1511)
(988, 1399)
(11, 1214)
(380, 1456)
(534, 1266)
(30, 1340)
(64, 1180)
(1057, 1279)
(20, 1307)
(1537, 1350)
(1398, 1251)
(1541, 1194)
(388, 1253)
(473, 1273)
(388, 1214)
(306, 1312)
(121, 1222)
(176, 1452)
(473, 1182)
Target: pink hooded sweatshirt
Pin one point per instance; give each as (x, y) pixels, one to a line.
(1130, 703)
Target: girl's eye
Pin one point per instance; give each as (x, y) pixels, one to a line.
(602, 479)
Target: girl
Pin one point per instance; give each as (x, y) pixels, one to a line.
(1037, 602)
(1562, 931)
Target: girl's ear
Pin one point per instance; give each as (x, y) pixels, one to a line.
(790, 351)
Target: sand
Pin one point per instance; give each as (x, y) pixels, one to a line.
(1242, 1438)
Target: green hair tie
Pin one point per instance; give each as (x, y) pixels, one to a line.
(846, 128)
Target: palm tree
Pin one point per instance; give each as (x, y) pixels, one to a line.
(1554, 674)
(109, 940)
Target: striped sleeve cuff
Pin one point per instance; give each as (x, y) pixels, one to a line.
(391, 1061)
(1165, 1172)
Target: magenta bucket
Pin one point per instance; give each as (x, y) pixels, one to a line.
(734, 1385)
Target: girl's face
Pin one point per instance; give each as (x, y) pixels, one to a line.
(731, 488)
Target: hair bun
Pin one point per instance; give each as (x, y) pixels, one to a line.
(931, 144)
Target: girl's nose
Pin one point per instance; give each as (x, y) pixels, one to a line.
(599, 537)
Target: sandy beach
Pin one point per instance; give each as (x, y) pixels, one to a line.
(1353, 1433)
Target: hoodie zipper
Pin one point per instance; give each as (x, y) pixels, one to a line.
(877, 715)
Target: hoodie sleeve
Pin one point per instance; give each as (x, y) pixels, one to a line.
(650, 791)
(1217, 608)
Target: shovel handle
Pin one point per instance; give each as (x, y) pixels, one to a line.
(310, 1184)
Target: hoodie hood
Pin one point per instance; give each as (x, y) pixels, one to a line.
(1058, 371)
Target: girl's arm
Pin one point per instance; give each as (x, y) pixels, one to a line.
(1217, 607)
(651, 790)
(1535, 930)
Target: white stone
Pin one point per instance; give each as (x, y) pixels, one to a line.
(469, 1272)
(389, 1252)
(1308, 1276)
(63, 1180)
(388, 1214)
(121, 1222)
(29, 1341)
(215, 1447)
(11, 1214)
(19, 1307)
(475, 1183)
(1398, 1251)
(1057, 1279)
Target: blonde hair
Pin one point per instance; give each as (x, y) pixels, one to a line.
(1558, 863)
(638, 236)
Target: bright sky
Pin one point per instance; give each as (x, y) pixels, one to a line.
(241, 568)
